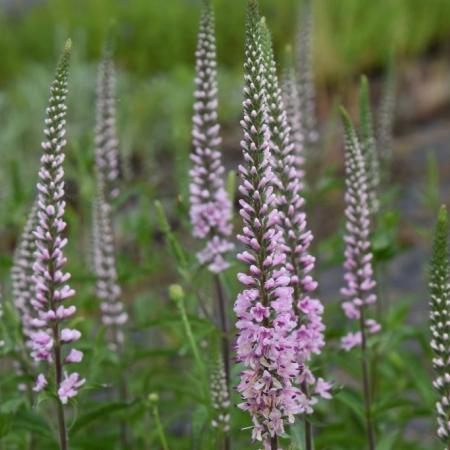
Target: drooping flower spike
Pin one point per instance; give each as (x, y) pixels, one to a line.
(369, 147)
(50, 341)
(23, 286)
(210, 209)
(108, 290)
(296, 235)
(305, 74)
(266, 344)
(439, 285)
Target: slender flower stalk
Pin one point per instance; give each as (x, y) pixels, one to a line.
(266, 342)
(23, 286)
(369, 147)
(305, 74)
(107, 153)
(154, 400)
(296, 237)
(385, 118)
(211, 209)
(359, 280)
(439, 285)
(294, 118)
(219, 394)
(108, 290)
(51, 289)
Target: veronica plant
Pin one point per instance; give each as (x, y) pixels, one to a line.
(439, 285)
(108, 290)
(210, 210)
(385, 117)
(305, 74)
(296, 237)
(369, 147)
(359, 279)
(266, 343)
(210, 206)
(23, 287)
(49, 340)
(107, 153)
(219, 394)
(294, 117)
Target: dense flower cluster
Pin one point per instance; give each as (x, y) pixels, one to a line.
(51, 288)
(359, 279)
(108, 290)
(266, 343)
(296, 235)
(439, 285)
(305, 76)
(22, 274)
(211, 209)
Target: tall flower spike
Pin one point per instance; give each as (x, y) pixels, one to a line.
(108, 290)
(23, 287)
(369, 147)
(211, 209)
(294, 116)
(305, 74)
(266, 343)
(358, 277)
(51, 288)
(439, 285)
(297, 236)
(359, 280)
(107, 153)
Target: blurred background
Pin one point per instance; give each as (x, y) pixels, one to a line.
(155, 43)
(154, 52)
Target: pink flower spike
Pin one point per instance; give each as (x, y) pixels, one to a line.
(210, 206)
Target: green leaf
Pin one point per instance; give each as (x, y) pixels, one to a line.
(200, 419)
(101, 412)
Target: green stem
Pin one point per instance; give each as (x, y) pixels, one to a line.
(274, 443)
(159, 427)
(63, 440)
(308, 425)
(366, 384)
(189, 334)
(224, 328)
